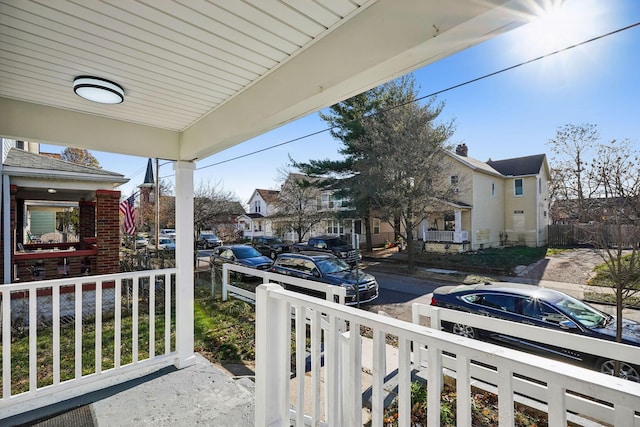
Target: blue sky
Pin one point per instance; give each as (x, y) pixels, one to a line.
(511, 114)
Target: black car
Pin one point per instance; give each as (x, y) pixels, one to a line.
(240, 255)
(208, 241)
(270, 246)
(542, 307)
(327, 268)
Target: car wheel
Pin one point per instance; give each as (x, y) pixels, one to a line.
(463, 330)
(627, 371)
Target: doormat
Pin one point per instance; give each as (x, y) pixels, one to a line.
(79, 417)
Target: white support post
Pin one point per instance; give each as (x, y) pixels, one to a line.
(457, 215)
(272, 362)
(184, 264)
(7, 250)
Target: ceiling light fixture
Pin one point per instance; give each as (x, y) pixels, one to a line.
(98, 90)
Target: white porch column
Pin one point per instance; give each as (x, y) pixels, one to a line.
(457, 238)
(184, 264)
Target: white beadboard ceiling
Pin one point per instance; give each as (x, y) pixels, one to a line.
(202, 75)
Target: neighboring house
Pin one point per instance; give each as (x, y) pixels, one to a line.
(41, 187)
(262, 203)
(501, 202)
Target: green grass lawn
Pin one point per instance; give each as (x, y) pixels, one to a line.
(494, 260)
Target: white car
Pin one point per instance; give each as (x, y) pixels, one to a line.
(141, 242)
(164, 244)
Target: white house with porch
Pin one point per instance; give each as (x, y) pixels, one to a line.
(502, 202)
(185, 80)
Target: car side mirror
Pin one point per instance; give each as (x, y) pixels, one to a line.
(315, 273)
(568, 325)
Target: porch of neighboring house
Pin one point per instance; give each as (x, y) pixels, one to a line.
(42, 203)
(447, 232)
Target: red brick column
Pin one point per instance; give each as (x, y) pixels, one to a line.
(12, 226)
(108, 231)
(87, 219)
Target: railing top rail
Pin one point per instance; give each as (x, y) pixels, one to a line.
(39, 284)
(268, 275)
(601, 386)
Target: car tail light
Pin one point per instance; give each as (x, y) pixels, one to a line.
(433, 301)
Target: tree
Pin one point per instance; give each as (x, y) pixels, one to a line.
(212, 206)
(297, 206)
(80, 156)
(604, 188)
(405, 160)
(347, 121)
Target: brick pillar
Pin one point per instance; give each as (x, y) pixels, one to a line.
(87, 219)
(108, 231)
(12, 226)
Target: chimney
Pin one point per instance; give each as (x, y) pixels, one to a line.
(462, 150)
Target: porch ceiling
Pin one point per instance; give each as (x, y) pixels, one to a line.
(202, 75)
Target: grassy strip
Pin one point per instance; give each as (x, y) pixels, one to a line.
(608, 298)
(493, 260)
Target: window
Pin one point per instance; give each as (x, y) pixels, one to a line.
(518, 187)
(334, 227)
(376, 226)
(256, 206)
(493, 189)
(454, 180)
(539, 185)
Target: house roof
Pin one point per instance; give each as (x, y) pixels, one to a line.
(529, 165)
(45, 178)
(474, 163)
(269, 196)
(18, 158)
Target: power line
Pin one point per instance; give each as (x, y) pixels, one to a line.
(547, 55)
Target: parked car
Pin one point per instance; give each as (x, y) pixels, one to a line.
(141, 242)
(327, 268)
(208, 241)
(164, 244)
(244, 255)
(270, 246)
(542, 307)
(329, 244)
(168, 232)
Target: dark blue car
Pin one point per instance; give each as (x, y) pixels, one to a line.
(541, 307)
(244, 255)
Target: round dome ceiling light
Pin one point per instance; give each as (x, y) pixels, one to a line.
(98, 90)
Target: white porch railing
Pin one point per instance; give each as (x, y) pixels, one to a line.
(446, 236)
(331, 292)
(337, 357)
(524, 389)
(131, 314)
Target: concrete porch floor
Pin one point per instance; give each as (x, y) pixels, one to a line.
(202, 394)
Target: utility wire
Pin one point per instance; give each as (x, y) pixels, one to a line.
(547, 55)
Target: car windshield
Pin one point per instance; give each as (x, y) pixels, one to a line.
(332, 265)
(580, 312)
(166, 241)
(273, 240)
(242, 252)
(208, 236)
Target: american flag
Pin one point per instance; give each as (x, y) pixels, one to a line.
(126, 207)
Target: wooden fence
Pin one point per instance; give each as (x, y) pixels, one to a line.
(590, 234)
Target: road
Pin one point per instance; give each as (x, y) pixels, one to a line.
(397, 293)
